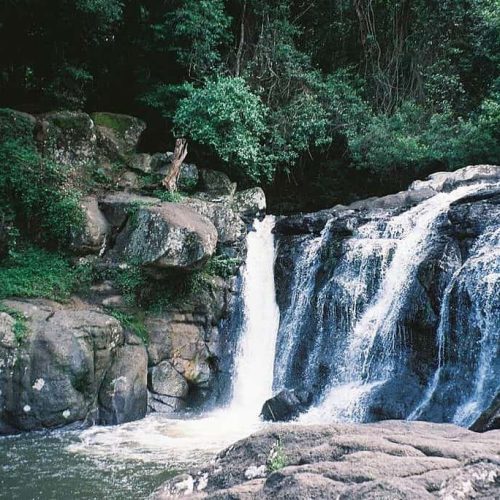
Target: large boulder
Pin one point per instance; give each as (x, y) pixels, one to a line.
(390, 460)
(117, 207)
(231, 230)
(286, 405)
(64, 365)
(67, 137)
(216, 183)
(167, 236)
(447, 181)
(167, 388)
(91, 238)
(118, 135)
(250, 203)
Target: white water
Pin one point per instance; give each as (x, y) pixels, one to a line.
(254, 364)
(363, 368)
(181, 442)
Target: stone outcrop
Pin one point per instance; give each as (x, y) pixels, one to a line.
(385, 460)
(167, 236)
(286, 405)
(69, 365)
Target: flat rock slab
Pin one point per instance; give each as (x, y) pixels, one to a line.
(385, 460)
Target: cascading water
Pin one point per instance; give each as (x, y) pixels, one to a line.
(470, 313)
(357, 317)
(254, 364)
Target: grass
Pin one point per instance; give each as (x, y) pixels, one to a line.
(34, 272)
(276, 459)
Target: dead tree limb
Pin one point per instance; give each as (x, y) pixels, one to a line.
(174, 170)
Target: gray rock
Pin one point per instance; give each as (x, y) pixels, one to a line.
(286, 405)
(167, 381)
(118, 135)
(123, 394)
(117, 207)
(67, 137)
(164, 404)
(189, 174)
(216, 183)
(180, 339)
(92, 237)
(250, 203)
(167, 236)
(447, 181)
(231, 230)
(60, 366)
(141, 162)
(391, 459)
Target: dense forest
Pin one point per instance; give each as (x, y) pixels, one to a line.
(319, 101)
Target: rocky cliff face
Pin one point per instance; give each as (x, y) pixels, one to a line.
(82, 361)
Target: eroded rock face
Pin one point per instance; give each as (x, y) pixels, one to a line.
(167, 236)
(66, 358)
(386, 460)
(250, 203)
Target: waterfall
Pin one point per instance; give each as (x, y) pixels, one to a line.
(470, 312)
(254, 364)
(359, 332)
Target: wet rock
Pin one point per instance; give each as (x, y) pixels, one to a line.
(216, 183)
(250, 203)
(392, 459)
(167, 236)
(490, 418)
(123, 394)
(67, 137)
(92, 237)
(286, 405)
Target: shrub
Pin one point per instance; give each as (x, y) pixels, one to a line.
(35, 193)
(226, 117)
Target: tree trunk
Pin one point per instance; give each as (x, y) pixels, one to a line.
(180, 153)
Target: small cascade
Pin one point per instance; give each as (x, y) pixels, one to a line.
(470, 316)
(254, 363)
(302, 289)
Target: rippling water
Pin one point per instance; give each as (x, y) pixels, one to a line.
(127, 461)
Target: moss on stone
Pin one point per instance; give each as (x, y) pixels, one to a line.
(116, 122)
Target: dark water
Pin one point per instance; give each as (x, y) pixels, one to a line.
(124, 462)
(41, 466)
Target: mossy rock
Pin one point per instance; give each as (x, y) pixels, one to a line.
(118, 134)
(16, 125)
(68, 137)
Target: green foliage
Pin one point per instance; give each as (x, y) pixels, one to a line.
(34, 272)
(35, 192)
(276, 459)
(196, 31)
(20, 327)
(226, 117)
(133, 322)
